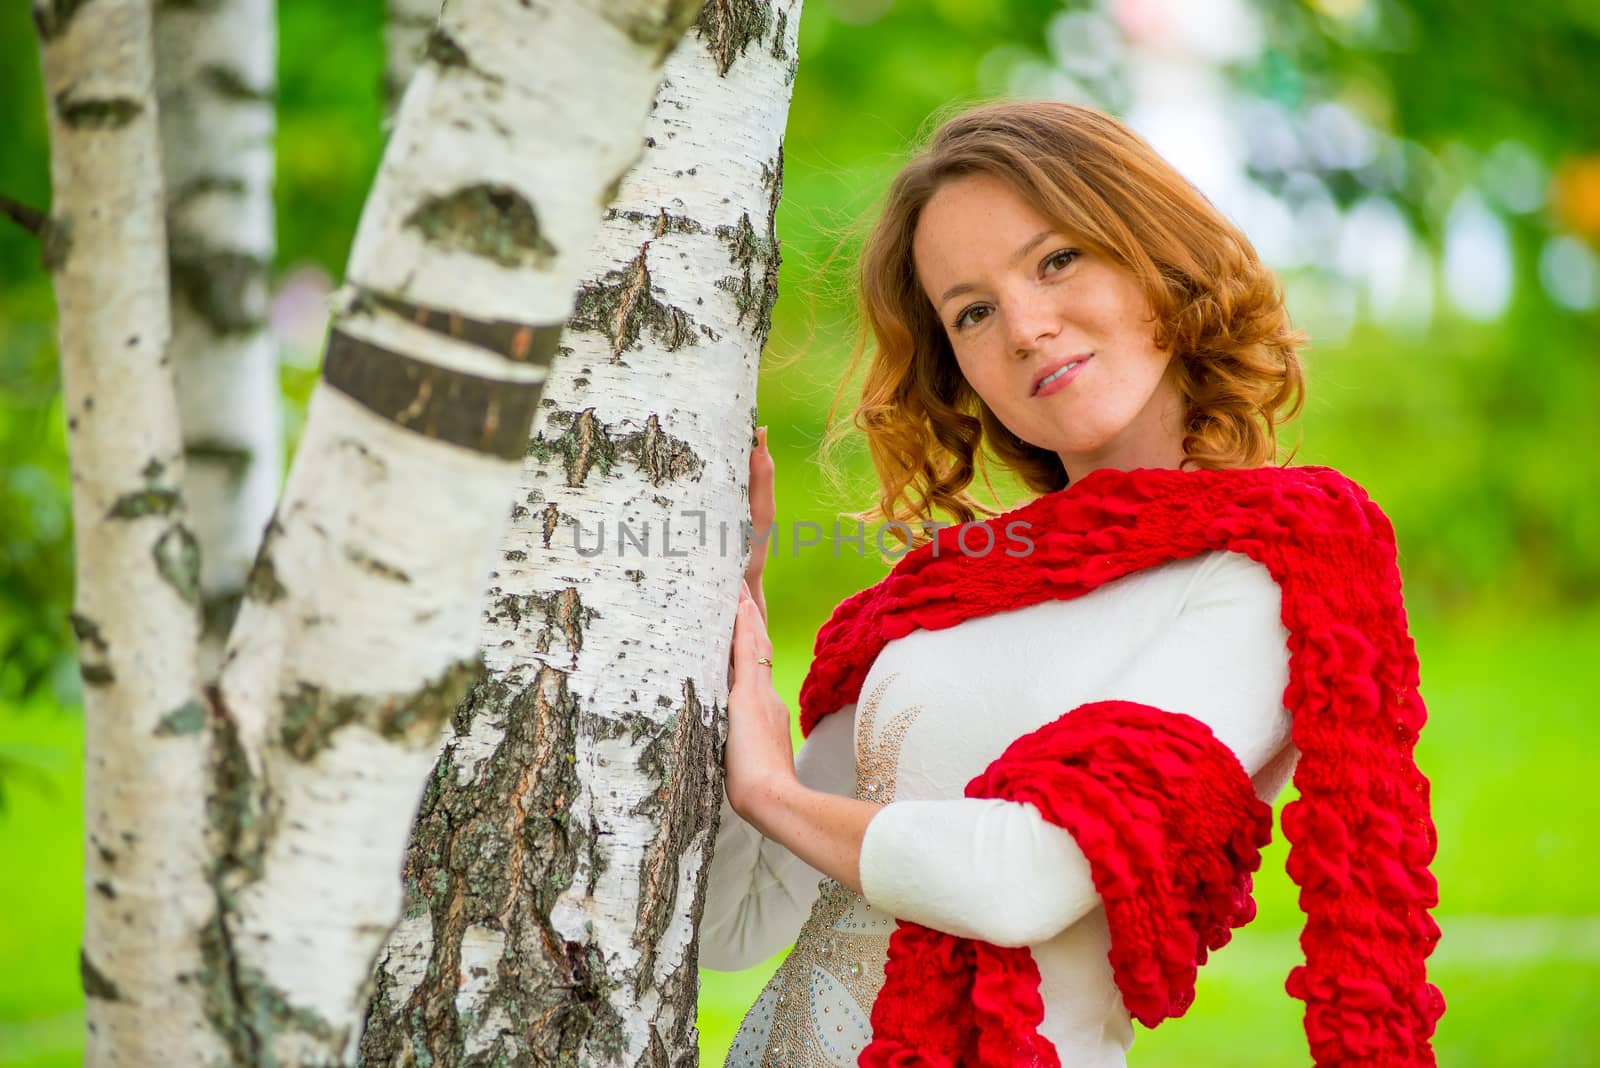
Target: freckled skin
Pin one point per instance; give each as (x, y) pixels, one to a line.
(1124, 409)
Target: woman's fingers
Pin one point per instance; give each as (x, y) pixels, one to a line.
(763, 498)
(750, 639)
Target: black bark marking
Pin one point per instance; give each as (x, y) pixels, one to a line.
(495, 851)
(660, 222)
(659, 455)
(187, 718)
(778, 51)
(97, 113)
(550, 522)
(218, 611)
(224, 988)
(87, 632)
(755, 288)
(681, 758)
(50, 17)
(492, 221)
(145, 502)
(177, 557)
(772, 179)
(728, 27)
(586, 443)
(96, 674)
(621, 306)
(240, 827)
(313, 715)
(372, 565)
(561, 612)
(229, 84)
(483, 414)
(206, 185)
(444, 50)
(247, 1010)
(235, 459)
(262, 584)
(521, 343)
(96, 984)
(227, 289)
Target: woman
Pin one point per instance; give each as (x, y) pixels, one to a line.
(1035, 777)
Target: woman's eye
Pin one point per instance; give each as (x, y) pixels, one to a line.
(971, 315)
(1059, 261)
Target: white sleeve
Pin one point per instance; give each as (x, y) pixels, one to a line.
(998, 870)
(758, 893)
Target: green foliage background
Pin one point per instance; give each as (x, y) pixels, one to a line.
(1477, 439)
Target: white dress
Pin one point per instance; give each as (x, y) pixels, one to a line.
(1203, 636)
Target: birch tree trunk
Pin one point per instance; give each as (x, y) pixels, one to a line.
(407, 25)
(215, 72)
(556, 870)
(136, 603)
(358, 634)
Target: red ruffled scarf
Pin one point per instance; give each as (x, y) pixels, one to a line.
(1162, 811)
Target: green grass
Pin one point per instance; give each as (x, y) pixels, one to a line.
(1507, 748)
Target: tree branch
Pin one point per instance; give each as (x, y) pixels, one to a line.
(30, 219)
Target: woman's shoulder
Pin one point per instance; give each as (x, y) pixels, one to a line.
(1310, 479)
(1229, 576)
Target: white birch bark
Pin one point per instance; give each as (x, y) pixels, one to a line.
(359, 629)
(215, 72)
(406, 27)
(136, 606)
(557, 865)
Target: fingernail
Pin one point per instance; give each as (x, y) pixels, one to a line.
(744, 588)
(761, 433)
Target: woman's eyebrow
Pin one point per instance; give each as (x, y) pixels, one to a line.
(966, 287)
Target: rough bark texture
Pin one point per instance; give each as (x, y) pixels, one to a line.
(406, 28)
(555, 873)
(136, 607)
(358, 634)
(215, 68)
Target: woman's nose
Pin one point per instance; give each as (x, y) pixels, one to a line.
(1029, 323)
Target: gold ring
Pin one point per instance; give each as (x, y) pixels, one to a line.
(763, 660)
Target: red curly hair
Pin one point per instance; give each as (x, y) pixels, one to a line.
(1217, 308)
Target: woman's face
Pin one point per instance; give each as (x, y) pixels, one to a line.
(1020, 299)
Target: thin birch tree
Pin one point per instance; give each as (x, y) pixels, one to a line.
(215, 87)
(245, 839)
(136, 604)
(556, 870)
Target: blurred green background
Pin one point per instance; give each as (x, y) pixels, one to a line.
(1425, 176)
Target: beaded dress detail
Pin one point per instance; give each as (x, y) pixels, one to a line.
(815, 1011)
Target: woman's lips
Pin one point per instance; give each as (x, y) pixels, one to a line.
(1061, 382)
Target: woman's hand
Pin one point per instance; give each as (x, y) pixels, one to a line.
(822, 829)
(763, 513)
(759, 758)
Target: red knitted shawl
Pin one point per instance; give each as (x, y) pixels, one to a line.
(1159, 807)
